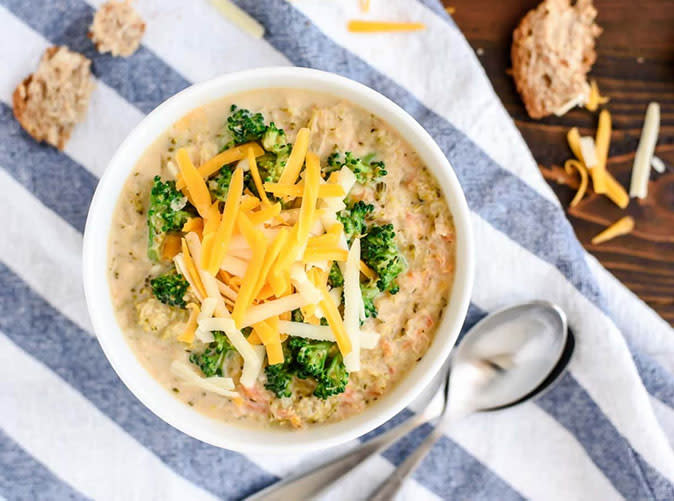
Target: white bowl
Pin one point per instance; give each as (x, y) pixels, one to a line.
(156, 397)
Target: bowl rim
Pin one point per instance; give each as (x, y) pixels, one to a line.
(119, 353)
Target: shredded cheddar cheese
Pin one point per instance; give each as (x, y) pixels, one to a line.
(229, 156)
(296, 190)
(192, 269)
(195, 224)
(621, 227)
(360, 26)
(296, 159)
(187, 336)
(265, 214)
(194, 182)
(252, 164)
(223, 235)
(170, 247)
(571, 164)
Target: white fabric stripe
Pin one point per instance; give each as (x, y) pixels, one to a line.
(665, 416)
(548, 464)
(96, 457)
(109, 118)
(43, 250)
(640, 324)
(39, 244)
(176, 34)
(457, 89)
(361, 482)
(601, 362)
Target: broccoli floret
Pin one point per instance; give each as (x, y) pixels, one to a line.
(319, 360)
(271, 166)
(311, 358)
(166, 213)
(279, 376)
(380, 252)
(170, 288)
(353, 218)
(334, 378)
(296, 316)
(335, 277)
(219, 185)
(274, 140)
(366, 170)
(211, 360)
(369, 293)
(245, 126)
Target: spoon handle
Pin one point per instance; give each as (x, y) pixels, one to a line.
(307, 485)
(389, 489)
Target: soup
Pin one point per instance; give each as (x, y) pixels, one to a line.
(280, 258)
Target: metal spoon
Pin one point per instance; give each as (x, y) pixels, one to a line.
(506, 358)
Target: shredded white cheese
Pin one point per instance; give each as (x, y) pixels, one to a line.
(299, 279)
(207, 309)
(588, 151)
(658, 165)
(579, 100)
(215, 384)
(258, 313)
(234, 266)
(308, 331)
(642, 159)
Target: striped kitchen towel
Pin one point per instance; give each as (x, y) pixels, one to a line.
(70, 429)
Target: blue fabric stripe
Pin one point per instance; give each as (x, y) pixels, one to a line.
(24, 478)
(450, 471)
(657, 380)
(572, 407)
(492, 192)
(59, 182)
(143, 79)
(76, 357)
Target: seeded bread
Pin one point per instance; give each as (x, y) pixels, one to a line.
(552, 52)
(49, 102)
(117, 29)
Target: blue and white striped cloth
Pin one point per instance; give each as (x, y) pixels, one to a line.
(70, 429)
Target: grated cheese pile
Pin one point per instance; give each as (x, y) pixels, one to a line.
(249, 262)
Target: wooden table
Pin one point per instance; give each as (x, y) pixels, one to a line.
(635, 65)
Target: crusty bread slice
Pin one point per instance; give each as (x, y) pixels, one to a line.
(552, 52)
(117, 29)
(49, 102)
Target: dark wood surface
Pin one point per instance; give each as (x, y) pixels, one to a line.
(635, 65)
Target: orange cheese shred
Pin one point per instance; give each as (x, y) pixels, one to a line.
(195, 184)
(192, 270)
(325, 240)
(229, 156)
(296, 158)
(573, 137)
(615, 191)
(195, 224)
(252, 164)
(334, 320)
(170, 247)
(187, 336)
(367, 271)
(313, 255)
(359, 26)
(265, 214)
(223, 235)
(296, 190)
(249, 282)
(571, 164)
(621, 227)
(253, 338)
(270, 258)
(271, 339)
